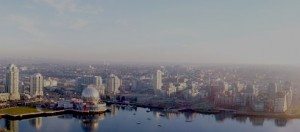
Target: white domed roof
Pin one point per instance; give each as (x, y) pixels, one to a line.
(90, 94)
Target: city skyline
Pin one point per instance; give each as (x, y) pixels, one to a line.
(150, 92)
(251, 32)
(149, 65)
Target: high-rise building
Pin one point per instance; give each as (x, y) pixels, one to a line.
(113, 84)
(98, 81)
(272, 89)
(157, 80)
(84, 81)
(12, 82)
(90, 80)
(280, 103)
(36, 85)
(288, 89)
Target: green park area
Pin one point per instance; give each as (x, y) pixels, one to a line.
(18, 110)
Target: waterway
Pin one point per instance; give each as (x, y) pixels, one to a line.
(123, 119)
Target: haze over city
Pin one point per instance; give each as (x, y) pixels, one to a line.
(197, 31)
(149, 65)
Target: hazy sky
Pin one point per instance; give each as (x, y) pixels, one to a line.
(201, 31)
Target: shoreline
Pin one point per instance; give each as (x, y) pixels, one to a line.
(46, 114)
(217, 111)
(200, 111)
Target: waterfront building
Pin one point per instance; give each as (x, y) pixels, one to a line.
(157, 80)
(12, 82)
(36, 85)
(288, 89)
(259, 103)
(249, 93)
(224, 99)
(280, 103)
(113, 85)
(91, 101)
(258, 106)
(240, 100)
(101, 89)
(272, 90)
(65, 104)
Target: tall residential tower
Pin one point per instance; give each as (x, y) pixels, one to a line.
(36, 85)
(157, 80)
(113, 84)
(12, 82)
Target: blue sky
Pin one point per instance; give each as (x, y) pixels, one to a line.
(199, 31)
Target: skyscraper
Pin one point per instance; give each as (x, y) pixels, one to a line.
(86, 80)
(157, 80)
(36, 85)
(113, 84)
(98, 81)
(90, 80)
(272, 89)
(12, 82)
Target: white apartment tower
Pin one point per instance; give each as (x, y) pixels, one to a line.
(98, 81)
(90, 80)
(12, 82)
(157, 80)
(113, 84)
(36, 85)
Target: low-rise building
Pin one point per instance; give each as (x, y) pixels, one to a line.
(171, 89)
(258, 106)
(4, 97)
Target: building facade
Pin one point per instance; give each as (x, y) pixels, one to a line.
(113, 84)
(36, 85)
(157, 80)
(280, 103)
(12, 82)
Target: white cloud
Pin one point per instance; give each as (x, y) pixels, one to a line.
(71, 6)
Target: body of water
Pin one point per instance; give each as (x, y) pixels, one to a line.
(122, 119)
